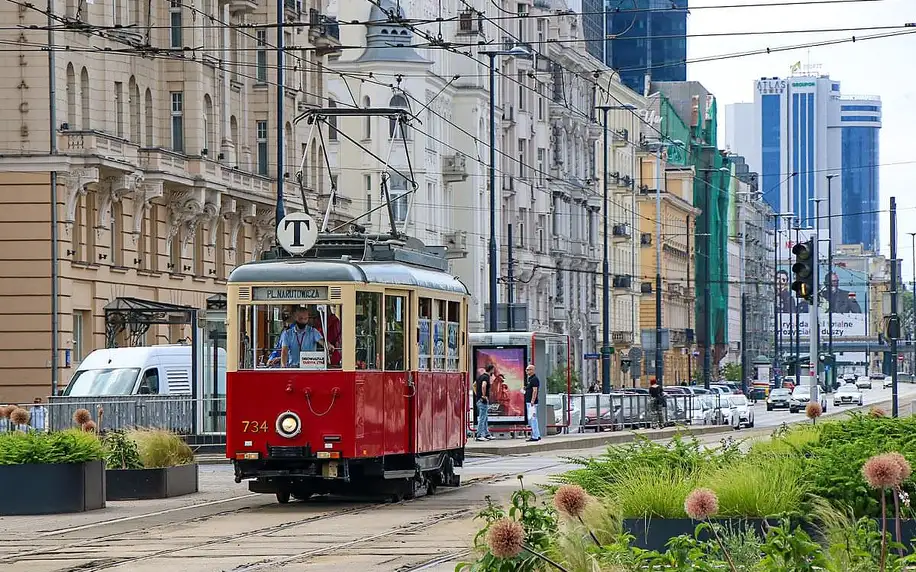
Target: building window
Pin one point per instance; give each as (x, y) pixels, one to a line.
(367, 126)
(261, 73)
(177, 121)
(175, 23)
(262, 147)
(84, 99)
(209, 127)
(368, 179)
(148, 118)
(397, 190)
(133, 104)
(522, 152)
(80, 320)
(332, 122)
(398, 101)
(119, 108)
(117, 244)
(219, 254)
(336, 196)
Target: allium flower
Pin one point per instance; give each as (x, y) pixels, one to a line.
(570, 500)
(882, 472)
(5, 410)
(813, 410)
(89, 426)
(701, 504)
(505, 538)
(905, 469)
(81, 417)
(20, 416)
(877, 412)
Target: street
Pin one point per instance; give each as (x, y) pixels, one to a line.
(226, 528)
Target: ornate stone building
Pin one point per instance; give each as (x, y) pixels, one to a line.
(167, 166)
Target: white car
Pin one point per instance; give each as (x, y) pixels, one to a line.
(801, 395)
(863, 382)
(740, 412)
(888, 381)
(848, 394)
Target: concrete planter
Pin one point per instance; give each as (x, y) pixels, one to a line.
(52, 488)
(144, 484)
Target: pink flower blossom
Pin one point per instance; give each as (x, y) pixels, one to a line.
(571, 500)
(882, 472)
(81, 416)
(905, 469)
(505, 538)
(701, 504)
(813, 410)
(20, 416)
(89, 426)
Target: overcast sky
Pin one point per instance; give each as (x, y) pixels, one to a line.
(883, 67)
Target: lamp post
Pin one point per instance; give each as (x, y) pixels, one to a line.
(814, 330)
(519, 52)
(913, 305)
(606, 266)
(830, 382)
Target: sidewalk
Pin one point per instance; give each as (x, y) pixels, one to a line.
(571, 441)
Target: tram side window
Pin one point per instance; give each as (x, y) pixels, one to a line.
(368, 330)
(454, 328)
(439, 337)
(290, 336)
(423, 333)
(395, 318)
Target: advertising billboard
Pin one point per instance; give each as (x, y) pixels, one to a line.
(847, 294)
(507, 394)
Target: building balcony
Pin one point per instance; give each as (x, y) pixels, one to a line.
(558, 314)
(324, 31)
(243, 6)
(560, 245)
(508, 119)
(107, 149)
(454, 168)
(620, 137)
(456, 244)
(621, 337)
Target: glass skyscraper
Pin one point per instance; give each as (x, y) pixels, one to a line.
(650, 38)
(861, 123)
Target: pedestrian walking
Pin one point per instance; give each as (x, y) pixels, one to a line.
(482, 399)
(532, 386)
(39, 415)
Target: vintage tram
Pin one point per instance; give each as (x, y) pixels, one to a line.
(347, 370)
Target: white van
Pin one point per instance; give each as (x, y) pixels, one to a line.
(153, 370)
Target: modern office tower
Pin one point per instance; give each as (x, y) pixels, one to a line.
(860, 120)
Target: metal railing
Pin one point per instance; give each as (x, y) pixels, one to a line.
(172, 412)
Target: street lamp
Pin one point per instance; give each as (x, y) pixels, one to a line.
(913, 305)
(606, 267)
(829, 286)
(518, 52)
(777, 321)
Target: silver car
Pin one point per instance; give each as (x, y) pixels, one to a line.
(848, 394)
(801, 395)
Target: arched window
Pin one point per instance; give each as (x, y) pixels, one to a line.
(84, 99)
(134, 105)
(397, 191)
(400, 102)
(209, 128)
(71, 96)
(234, 131)
(332, 122)
(367, 127)
(148, 118)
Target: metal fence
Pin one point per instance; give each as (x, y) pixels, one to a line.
(172, 412)
(37, 417)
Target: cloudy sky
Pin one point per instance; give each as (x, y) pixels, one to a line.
(883, 67)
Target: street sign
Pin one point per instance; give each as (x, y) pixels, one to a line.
(592, 356)
(297, 233)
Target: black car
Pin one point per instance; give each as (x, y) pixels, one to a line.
(779, 398)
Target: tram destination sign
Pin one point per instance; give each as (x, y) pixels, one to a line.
(265, 294)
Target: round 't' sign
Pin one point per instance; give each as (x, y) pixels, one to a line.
(297, 233)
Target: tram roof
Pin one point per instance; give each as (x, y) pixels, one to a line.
(389, 273)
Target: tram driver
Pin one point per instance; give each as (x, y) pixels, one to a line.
(301, 337)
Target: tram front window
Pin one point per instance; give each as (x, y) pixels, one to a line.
(306, 336)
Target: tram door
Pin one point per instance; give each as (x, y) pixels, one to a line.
(213, 367)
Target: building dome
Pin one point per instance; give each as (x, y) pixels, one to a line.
(386, 40)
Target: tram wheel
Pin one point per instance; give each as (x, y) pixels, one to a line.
(283, 496)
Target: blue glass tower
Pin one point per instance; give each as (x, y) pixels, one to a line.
(861, 123)
(650, 38)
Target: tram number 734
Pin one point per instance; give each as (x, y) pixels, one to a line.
(254, 426)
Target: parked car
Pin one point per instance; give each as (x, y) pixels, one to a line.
(741, 414)
(848, 394)
(863, 382)
(703, 410)
(720, 390)
(801, 395)
(779, 398)
(888, 381)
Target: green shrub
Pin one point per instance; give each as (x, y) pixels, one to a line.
(789, 442)
(646, 492)
(160, 448)
(71, 446)
(121, 452)
(759, 486)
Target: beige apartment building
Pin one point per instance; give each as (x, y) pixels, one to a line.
(167, 167)
(678, 219)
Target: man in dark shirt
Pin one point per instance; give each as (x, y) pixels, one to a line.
(482, 399)
(532, 388)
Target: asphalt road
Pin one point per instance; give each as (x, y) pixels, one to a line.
(226, 528)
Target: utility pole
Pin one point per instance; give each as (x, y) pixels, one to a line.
(829, 286)
(813, 325)
(798, 321)
(894, 323)
(912, 307)
(689, 344)
(492, 241)
(777, 320)
(510, 290)
(659, 357)
(281, 99)
(55, 281)
(707, 314)
(742, 260)
(605, 271)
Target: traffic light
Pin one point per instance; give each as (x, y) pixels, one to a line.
(803, 286)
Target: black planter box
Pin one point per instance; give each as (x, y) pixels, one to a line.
(51, 488)
(654, 534)
(143, 484)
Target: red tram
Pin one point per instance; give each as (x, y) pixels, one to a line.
(347, 371)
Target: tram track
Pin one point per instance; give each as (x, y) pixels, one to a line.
(107, 563)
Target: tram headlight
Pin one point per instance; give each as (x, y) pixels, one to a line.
(288, 425)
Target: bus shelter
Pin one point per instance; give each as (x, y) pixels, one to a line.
(510, 353)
